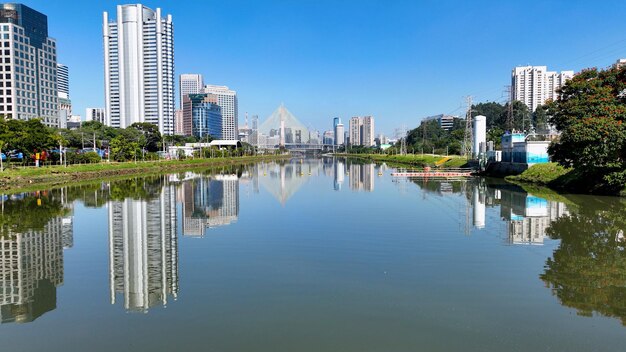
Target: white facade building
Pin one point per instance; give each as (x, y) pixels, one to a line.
(227, 100)
(95, 114)
(139, 68)
(63, 89)
(534, 85)
(190, 84)
(28, 78)
(339, 135)
(362, 131)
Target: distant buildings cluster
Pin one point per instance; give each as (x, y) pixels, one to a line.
(361, 132)
(206, 110)
(140, 83)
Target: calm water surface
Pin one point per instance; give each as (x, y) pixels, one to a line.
(318, 255)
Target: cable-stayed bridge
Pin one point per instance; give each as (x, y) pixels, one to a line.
(283, 130)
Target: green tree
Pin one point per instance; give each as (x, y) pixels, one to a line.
(590, 116)
(151, 140)
(495, 113)
(123, 149)
(540, 120)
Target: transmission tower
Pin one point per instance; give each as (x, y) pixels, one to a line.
(403, 140)
(467, 140)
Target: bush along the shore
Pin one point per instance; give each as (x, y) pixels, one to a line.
(590, 116)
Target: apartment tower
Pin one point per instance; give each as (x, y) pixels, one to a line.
(139, 68)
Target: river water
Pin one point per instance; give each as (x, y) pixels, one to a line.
(310, 255)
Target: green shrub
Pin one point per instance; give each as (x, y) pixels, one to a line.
(91, 158)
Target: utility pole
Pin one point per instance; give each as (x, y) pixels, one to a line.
(467, 140)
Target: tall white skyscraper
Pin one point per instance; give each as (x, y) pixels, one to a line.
(362, 131)
(534, 85)
(190, 84)
(339, 134)
(227, 100)
(28, 83)
(139, 68)
(63, 89)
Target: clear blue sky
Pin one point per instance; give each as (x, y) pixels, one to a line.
(396, 60)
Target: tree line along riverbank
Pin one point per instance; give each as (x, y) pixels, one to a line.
(22, 178)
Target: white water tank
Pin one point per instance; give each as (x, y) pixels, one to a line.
(479, 209)
(480, 134)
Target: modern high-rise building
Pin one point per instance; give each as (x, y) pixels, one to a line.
(28, 79)
(338, 131)
(190, 83)
(95, 114)
(139, 68)
(179, 123)
(534, 85)
(144, 250)
(63, 82)
(328, 138)
(63, 89)
(227, 100)
(339, 134)
(362, 131)
(202, 113)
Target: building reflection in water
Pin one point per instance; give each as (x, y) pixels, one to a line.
(527, 216)
(143, 249)
(283, 179)
(209, 202)
(361, 177)
(339, 170)
(31, 260)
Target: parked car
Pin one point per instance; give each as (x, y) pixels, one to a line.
(15, 155)
(98, 151)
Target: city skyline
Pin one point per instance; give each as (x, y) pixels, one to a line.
(413, 54)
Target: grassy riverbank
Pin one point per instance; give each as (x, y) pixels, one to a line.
(414, 160)
(567, 180)
(57, 175)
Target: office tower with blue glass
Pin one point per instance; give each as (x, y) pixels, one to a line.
(28, 76)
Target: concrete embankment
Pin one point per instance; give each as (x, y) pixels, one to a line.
(500, 169)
